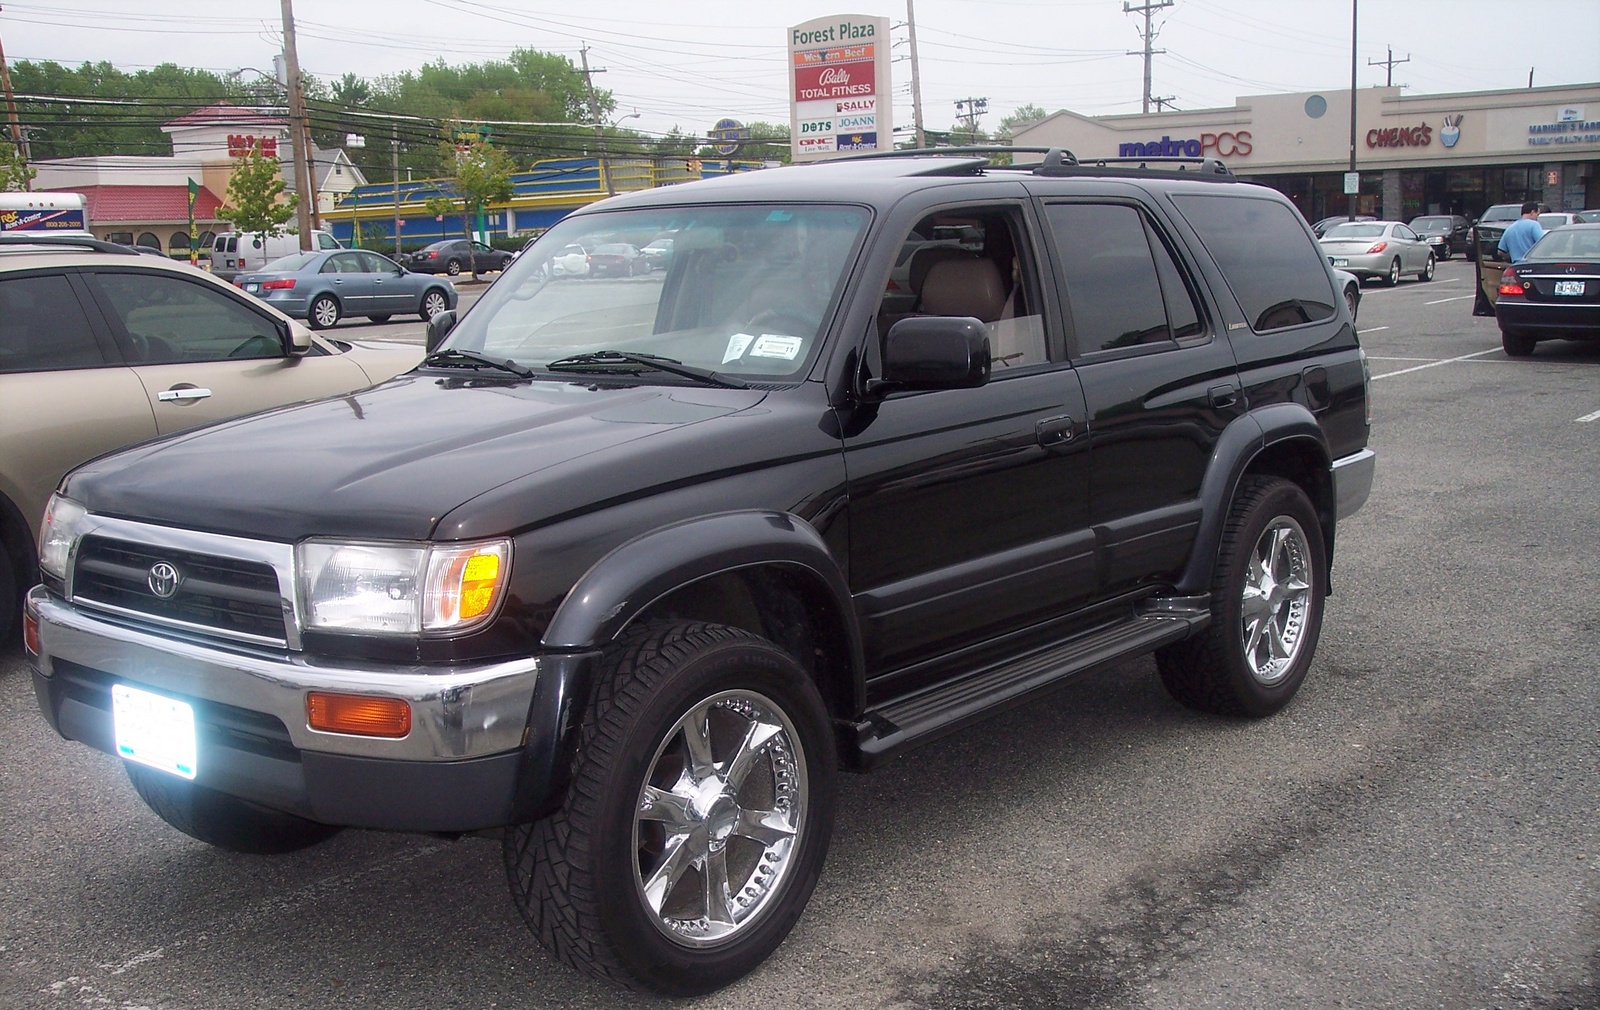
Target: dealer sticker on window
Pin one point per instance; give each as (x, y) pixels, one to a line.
(770, 345)
(736, 347)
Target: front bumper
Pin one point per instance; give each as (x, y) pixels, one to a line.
(1352, 482)
(466, 763)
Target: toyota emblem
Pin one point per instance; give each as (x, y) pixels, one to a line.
(164, 580)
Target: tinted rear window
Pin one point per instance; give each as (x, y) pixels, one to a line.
(1272, 266)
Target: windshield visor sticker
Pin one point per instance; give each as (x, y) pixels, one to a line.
(736, 347)
(773, 346)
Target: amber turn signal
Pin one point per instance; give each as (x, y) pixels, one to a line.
(358, 714)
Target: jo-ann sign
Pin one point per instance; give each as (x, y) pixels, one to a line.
(839, 96)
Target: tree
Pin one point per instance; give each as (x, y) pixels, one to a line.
(14, 172)
(256, 200)
(482, 176)
(1025, 115)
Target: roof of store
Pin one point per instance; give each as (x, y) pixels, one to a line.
(146, 204)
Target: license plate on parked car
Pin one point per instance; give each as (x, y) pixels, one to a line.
(154, 730)
(252, 288)
(1338, 261)
(1569, 287)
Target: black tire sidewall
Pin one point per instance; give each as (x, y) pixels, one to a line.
(453, 268)
(311, 312)
(220, 820)
(740, 663)
(1278, 498)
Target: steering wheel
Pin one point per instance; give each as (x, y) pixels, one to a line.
(785, 321)
(152, 348)
(254, 346)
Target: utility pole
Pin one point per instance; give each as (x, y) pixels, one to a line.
(297, 130)
(1351, 210)
(394, 142)
(1149, 35)
(1388, 65)
(916, 77)
(16, 127)
(1161, 103)
(974, 107)
(594, 113)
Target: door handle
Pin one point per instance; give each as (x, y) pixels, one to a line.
(181, 395)
(1225, 395)
(1054, 431)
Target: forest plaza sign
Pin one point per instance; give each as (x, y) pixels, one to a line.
(839, 93)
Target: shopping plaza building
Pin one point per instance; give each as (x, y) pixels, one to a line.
(1416, 154)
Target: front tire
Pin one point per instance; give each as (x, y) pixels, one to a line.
(224, 821)
(433, 303)
(1516, 345)
(1445, 252)
(323, 313)
(1266, 607)
(384, 318)
(698, 816)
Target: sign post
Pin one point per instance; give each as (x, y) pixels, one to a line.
(840, 97)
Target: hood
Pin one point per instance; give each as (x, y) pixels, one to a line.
(392, 461)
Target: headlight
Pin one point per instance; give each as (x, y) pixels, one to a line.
(57, 533)
(400, 589)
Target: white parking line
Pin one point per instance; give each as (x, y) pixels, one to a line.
(1372, 329)
(1441, 301)
(1435, 364)
(1585, 419)
(1390, 357)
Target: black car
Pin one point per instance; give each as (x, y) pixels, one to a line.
(625, 573)
(1446, 234)
(1553, 292)
(455, 256)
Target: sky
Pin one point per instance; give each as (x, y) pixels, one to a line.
(689, 63)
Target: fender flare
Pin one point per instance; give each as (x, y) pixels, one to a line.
(1241, 443)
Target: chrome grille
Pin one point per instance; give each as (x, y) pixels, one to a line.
(231, 597)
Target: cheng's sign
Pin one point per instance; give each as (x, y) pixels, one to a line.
(1401, 136)
(1222, 145)
(240, 145)
(838, 67)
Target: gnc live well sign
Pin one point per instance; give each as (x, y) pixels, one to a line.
(839, 95)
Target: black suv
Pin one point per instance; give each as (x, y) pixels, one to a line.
(626, 570)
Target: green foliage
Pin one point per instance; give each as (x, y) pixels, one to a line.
(768, 142)
(256, 200)
(1025, 115)
(481, 175)
(14, 172)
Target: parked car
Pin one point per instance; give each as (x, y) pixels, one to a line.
(454, 256)
(1446, 234)
(1553, 292)
(101, 347)
(1325, 223)
(233, 253)
(627, 573)
(570, 261)
(1486, 234)
(324, 287)
(1550, 220)
(617, 259)
(1378, 249)
(1350, 287)
(1589, 217)
(658, 253)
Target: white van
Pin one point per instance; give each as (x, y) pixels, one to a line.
(43, 213)
(233, 253)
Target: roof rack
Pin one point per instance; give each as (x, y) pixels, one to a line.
(71, 241)
(1205, 167)
(1056, 161)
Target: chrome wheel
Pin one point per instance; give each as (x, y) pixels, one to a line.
(1277, 596)
(718, 817)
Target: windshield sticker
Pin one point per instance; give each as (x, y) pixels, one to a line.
(736, 345)
(773, 346)
(780, 215)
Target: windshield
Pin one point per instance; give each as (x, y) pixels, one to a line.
(1352, 230)
(746, 293)
(289, 264)
(1577, 243)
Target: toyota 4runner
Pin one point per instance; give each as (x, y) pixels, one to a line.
(627, 569)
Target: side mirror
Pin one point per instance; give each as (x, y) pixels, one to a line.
(296, 339)
(934, 352)
(439, 327)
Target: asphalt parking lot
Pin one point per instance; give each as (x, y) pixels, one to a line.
(1418, 829)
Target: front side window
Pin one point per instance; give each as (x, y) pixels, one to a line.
(43, 328)
(1110, 276)
(1272, 267)
(372, 263)
(326, 241)
(747, 293)
(165, 320)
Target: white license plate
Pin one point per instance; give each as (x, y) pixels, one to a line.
(1569, 287)
(252, 288)
(154, 730)
(1338, 261)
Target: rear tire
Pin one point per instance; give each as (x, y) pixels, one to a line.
(380, 319)
(1393, 277)
(433, 303)
(1427, 271)
(698, 816)
(1516, 345)
(453, 268)
(224, 821)
(1266, 607)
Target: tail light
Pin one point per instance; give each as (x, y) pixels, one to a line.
(433, 255)
(1510, 283)
(282, 284)
(1380, 247)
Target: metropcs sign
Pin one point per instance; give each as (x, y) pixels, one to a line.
(839, 95)
(1222, 145)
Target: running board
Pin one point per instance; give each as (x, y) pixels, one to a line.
(884, 732)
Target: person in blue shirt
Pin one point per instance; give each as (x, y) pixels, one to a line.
(1523, 233)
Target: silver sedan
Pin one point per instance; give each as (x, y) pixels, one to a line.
(1382, 249)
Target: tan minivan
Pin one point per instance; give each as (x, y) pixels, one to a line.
(101, 347)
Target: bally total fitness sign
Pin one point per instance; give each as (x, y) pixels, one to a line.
(839, 96)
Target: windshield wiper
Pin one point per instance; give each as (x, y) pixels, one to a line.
(475, 359)
(607, 361)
